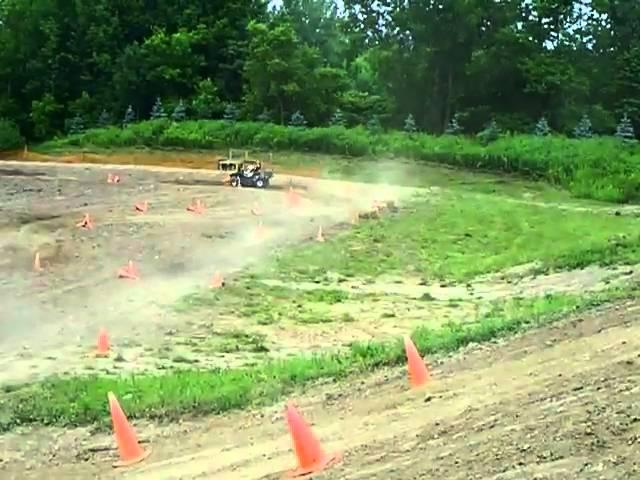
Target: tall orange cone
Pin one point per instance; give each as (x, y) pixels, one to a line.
(36, 263)
(129, 271)
(311, 457)
(418, 373)
(86, 222)
(320, 236)
(103, 346)
(217, 281)
(130, 450)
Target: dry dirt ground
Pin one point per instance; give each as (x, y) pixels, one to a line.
(50, 319)
(554, 404)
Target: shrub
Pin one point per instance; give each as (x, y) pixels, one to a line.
(10, 137)
(595, 168)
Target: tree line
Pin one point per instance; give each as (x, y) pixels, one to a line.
(440, 63)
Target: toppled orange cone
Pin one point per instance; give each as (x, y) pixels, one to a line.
(86, 222)
(217, 281)
(130, 450)
(418, 373)
(196, 207)
(36, 263)
(256, 210)
(129, 272)
(111, 178)
(311, 457)
(103, 346)
(141, 207)
(320, 236)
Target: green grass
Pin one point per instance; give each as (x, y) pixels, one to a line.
(82, 400)
(600, 168)
(459, 237)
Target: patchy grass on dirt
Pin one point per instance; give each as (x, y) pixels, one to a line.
(81, 400)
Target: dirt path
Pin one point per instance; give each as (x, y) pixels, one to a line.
(50, 319)
(560, 403)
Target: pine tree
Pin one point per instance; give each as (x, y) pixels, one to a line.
(625, 130)
(76, 125)
(129, 116)
(542, 128)
(337, 119)
(410, 124)
(491, 133)
(179, 113)
(374, 124)
(297, 120)
(157, 112)
(583, 129)
(231, 113)
(265, 116)
(104, 120)
(454, 127)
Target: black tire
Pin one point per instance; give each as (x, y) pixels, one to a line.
(260, 183)
(235, 181)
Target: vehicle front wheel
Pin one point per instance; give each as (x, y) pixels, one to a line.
(260, 183)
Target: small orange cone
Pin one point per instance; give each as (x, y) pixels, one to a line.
(256, 210)
(36, 263)
(196, 207)
(142, 207)
(86, 222)
(418, 373)
(260, 231)
(128, 271)
(103, 345)
(217, 281)
(293, 197)
(311, 457)
(320, 236)
(130, 450)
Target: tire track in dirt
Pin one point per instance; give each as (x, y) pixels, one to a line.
(555, 403)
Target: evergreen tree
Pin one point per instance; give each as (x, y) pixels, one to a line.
(583, 129)
(231, 113)
(490, 134)
(410, 124)
(337, 119)
(75, 125)
(542, 128)
(129, 116)
(179, 113)
(157, 112)
(454, 127)
(374, 125)
(297, 120)
(265, 116)
(625, 130)
(104, 120)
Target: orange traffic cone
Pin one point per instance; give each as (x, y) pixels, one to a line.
(196, 207)
(319, 236)
(355, 218)
(103, 346)
(141, 207)
(86, 222)
(129, 271)
(130, 450)
(293, 197)
(256, 210)
(311, 457)
(36, 263)
(217, 281)
(418, 373)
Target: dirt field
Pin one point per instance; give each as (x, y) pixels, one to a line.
(50, 319)
(560, 403)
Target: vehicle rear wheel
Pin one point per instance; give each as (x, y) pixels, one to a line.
(235, 181)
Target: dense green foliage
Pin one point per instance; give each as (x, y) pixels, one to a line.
(603, 168)
(512, 61)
